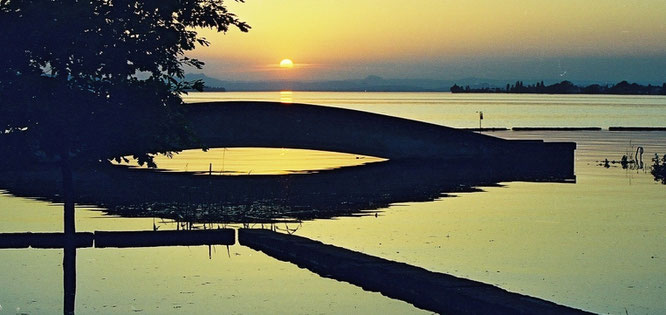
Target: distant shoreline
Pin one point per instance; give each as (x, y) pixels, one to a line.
(211, 90)
(374, 83)
(565, 128)
(566, 87)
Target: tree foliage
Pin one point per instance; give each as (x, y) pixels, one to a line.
(99, 79)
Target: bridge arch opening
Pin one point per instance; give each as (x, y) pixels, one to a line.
(238, 161)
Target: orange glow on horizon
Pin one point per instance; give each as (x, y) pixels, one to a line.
(353, 38)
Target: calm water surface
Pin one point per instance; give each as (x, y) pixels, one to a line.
(459, 110)
(598, 244)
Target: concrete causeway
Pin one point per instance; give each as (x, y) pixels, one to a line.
(278, 125)
(119, 239)
(425, 289)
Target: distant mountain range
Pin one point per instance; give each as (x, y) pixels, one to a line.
(371, 83)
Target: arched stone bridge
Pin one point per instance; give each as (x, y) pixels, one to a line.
(278, 125)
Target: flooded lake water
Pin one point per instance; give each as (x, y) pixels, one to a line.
(460, 110)
(598, 244)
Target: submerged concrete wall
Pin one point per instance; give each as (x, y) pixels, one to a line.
(121, 239)
(270, 124)
(429, 290)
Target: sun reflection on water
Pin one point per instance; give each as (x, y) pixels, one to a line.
(257, 161)
(286, 97)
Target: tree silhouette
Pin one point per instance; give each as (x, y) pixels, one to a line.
(93, 80)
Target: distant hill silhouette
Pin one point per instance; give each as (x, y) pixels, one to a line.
(210, 84)
(567, 87)
(371, 83)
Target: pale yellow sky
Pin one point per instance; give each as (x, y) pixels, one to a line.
(334, 38)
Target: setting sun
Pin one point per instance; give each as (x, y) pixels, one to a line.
(286, 63)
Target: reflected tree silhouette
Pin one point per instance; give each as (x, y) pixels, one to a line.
(659, 168)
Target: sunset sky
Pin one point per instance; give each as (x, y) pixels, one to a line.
(595, 40)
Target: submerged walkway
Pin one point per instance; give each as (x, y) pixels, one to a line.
(120, 239)
(425, 289)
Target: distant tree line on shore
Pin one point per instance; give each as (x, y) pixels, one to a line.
(566, 87)
(207, 88)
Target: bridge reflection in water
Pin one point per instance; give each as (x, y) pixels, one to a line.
(425, 162)
(333, 193)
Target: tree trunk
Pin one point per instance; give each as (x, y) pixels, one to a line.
(69, 258)
(68, 198)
